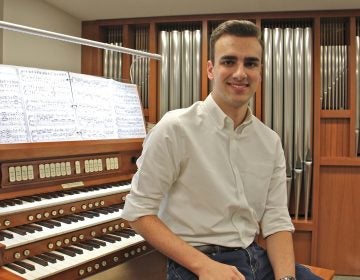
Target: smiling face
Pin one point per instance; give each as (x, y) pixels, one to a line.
(235, 71)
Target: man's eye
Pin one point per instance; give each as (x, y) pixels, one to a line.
(251, 64)
(227, 62)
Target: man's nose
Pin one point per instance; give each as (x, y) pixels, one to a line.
(240, 71)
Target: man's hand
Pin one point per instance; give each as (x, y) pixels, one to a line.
(219, 271)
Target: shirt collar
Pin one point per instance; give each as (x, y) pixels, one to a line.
(220, 118)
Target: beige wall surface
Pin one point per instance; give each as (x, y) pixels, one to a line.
(33, 51)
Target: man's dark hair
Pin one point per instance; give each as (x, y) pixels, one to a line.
(241, 28)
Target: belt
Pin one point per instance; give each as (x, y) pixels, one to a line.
(211, 249)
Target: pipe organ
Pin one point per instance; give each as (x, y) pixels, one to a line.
(64, 181)
(66, 225)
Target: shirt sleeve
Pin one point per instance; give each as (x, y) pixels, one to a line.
(158, 167)
(276, 216)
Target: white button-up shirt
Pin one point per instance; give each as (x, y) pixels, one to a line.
(209, 183)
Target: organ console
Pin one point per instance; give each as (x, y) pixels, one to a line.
(60, 206)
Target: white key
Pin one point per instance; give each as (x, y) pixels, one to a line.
(69, 262)
(19, 240)
(63, 200)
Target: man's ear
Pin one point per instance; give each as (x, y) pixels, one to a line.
(210, 68)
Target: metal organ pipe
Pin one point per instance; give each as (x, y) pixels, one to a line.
(175, 70)
(288, 71)
(164, 41)
(180, 78)
(186, 69)
(196, 64)
(278, 71)
(308, 116)
(298, 114)
(288, 105)
(267, 79)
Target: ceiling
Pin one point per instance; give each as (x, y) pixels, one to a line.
(109, 9)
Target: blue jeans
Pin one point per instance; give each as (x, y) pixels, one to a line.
(252, 262)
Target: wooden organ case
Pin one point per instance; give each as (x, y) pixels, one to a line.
(60, 205)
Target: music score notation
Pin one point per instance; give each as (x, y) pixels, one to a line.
(40, 105)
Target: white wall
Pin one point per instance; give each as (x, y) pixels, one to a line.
(34, 51)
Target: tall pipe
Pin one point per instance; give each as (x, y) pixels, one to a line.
(278, 92)
(267, 79)
(196, 63)
(164, 41)
(175, 70)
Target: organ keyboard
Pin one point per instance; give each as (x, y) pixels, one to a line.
(60, 207)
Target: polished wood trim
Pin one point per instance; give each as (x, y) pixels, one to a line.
(19, 151)
(6, 275)
(325, 274)
(338, 227)
(91, 58)
(335, 114)
(303, 225)
(316, 134)
(339, 161)
(352, 84)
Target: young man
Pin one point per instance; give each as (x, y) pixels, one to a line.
(212, 176)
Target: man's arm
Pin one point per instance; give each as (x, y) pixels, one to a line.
(164, 240)
(281, 254)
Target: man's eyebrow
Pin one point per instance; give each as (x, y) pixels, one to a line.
(233, 57)
(252, 59)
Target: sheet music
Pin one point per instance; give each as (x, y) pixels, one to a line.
(128, 111)
(48, 104)
(94, 110)
(38, 105)
(12, 116)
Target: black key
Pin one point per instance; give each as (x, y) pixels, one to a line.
(94, 213)
(38, 261)
(27, 229)
(7, 234)
(9, 202)
(45, 224)
(27, 199)
(35, 227)
(66, 252)
(17, 230)
(2, 238)
(47, 258)
(129, 231)
(73, 218)
(81, 218)
(121, 234)
(18, 201)
(16, 268)
(36, 198)
(99, 242)
(55, 223)
(86, 214)
(107, 239)
(116, 238)
(54, 255)
(84, 246)
(26, 265)
(93, 244)
(102, 211)
(75, 250)
(64, 220)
